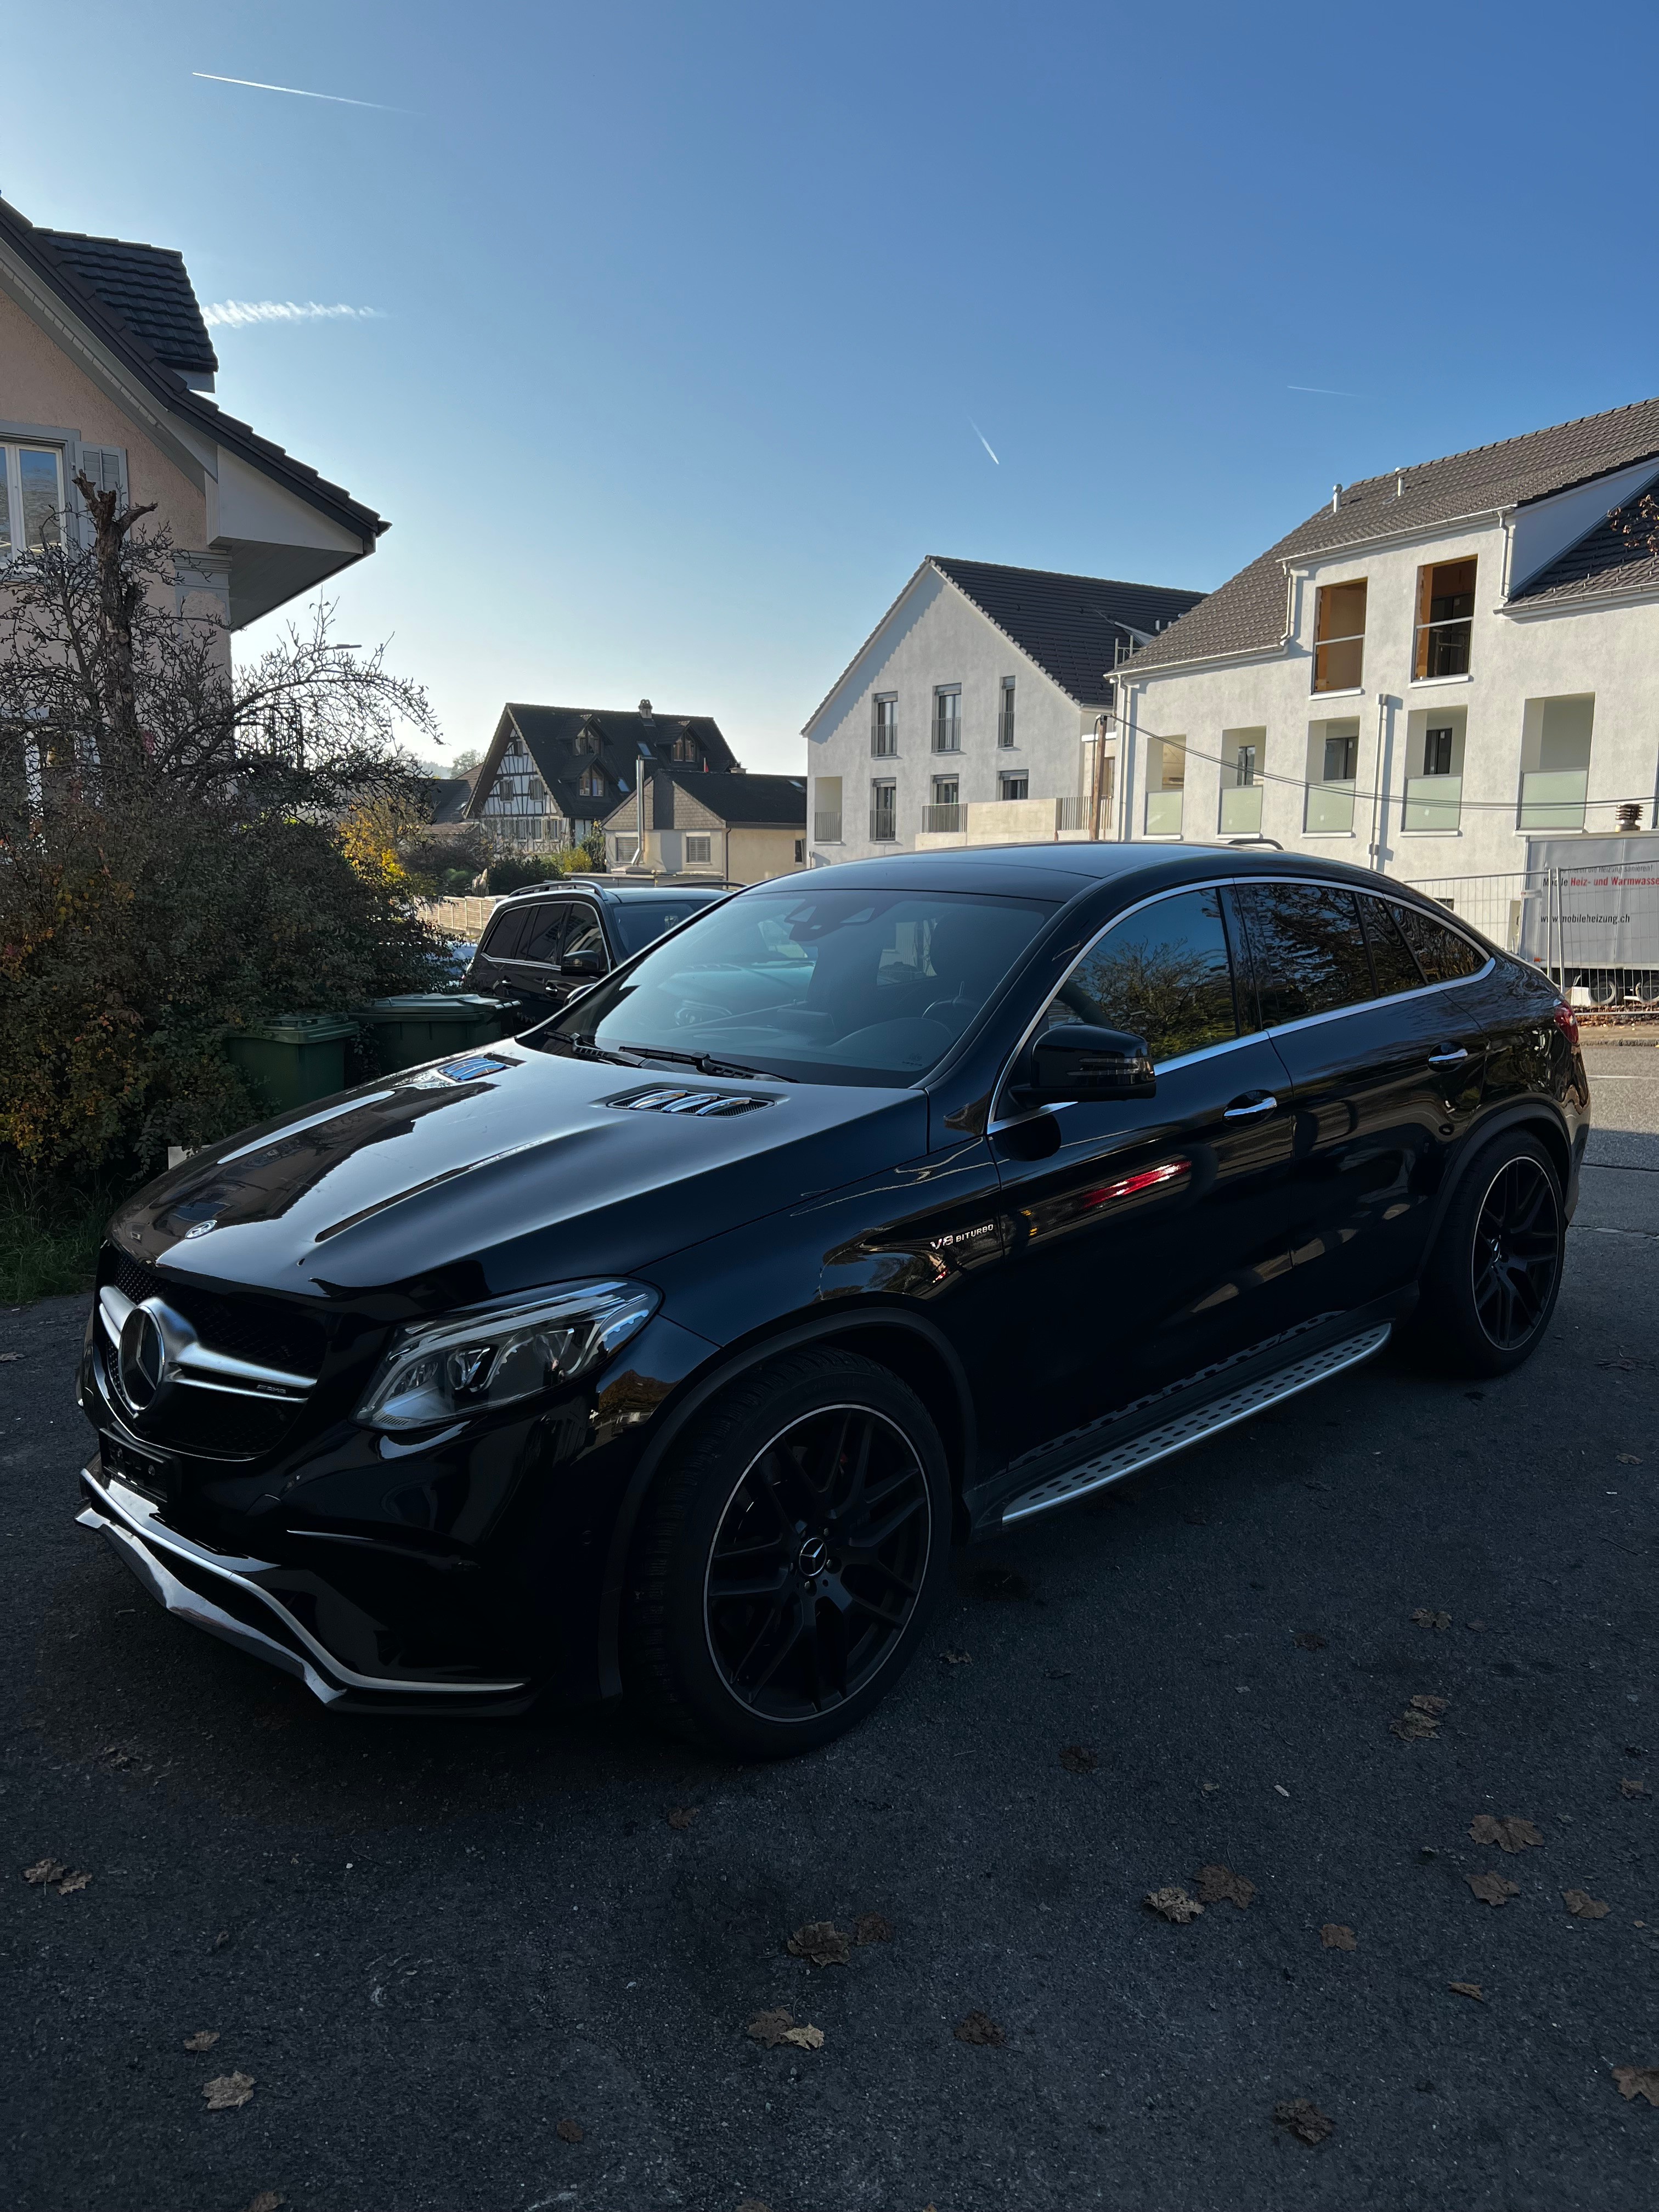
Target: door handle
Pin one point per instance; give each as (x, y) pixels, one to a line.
(1252, 1107)
(1448, 1055)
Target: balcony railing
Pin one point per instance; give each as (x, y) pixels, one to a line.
(947, 733)
(1553, 798)
(1006, 727)
(826, 828)
(1163, 813)
(1071, 814)
(944, 819)
(1433, 802)
(1330, 810)
(1240, 810)
(884, 741)
(884, 826)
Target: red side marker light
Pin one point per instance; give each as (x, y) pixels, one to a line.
(1130, 1187)
(1566, 1020)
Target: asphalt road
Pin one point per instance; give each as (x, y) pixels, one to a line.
(429, 1945)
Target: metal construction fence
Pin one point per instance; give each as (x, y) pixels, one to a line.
(1591, 924)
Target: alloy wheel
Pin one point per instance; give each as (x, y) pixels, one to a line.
(1517, 1252)
(818, 1563)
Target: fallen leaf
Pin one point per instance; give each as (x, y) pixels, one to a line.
(9, 1357)
(1335, 1937)
(1637, 2082)
(1304, 2120)
(683, 1815)
(204, 2040)
(72, 1882)
(1218, 1884)
(221, 1940)
(46, 1870)
(1468, 1990)
(1308, 1640)
(1077, 1758)
(957, 1658)
(804, 2039)
(267, 2201)
(1209, 1787)
(226, 2091)
(872, 1928)
(570, 2131)
(1423, 1617)
(1583, 1907)
(1512, 1834)
(770, 2027)
(980, 2028)
(1414, 1726)
(821, 1943)
(1423, 1703)
(1629, 1789)
(1628, 1459)
(1493, 1888)
(1174, 1904)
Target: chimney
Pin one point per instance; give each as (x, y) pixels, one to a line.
(1336, 497)
(645, 710)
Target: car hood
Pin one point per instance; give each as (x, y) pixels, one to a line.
(472, 1178)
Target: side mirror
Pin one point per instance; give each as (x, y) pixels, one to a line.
(587, 960)
(1075, 1060)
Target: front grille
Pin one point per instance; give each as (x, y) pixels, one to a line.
(706, 1105)
(263, 1329)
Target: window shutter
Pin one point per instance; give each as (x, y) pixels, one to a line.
(104, 467)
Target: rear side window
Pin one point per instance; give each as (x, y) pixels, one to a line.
(584, 934)
(1442, 954)
(504, 935)
(1392, 961)
(1308, 947)
(541, 941)
(639, 923)
(1163, 974)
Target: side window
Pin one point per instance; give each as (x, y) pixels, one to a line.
(1392, 961)
(584, 934)
(1442, 954)
(1163, 974)
(1308, 949)
(541, 939)
(504, 935)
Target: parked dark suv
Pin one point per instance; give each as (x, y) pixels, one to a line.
(539, 946)
(672, 1345)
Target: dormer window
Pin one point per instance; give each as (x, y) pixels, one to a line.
(686, 747)
(591, 783)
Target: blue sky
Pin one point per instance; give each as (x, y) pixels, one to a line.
(686, 314)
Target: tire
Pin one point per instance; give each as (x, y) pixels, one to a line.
(1493, 1279)
(748, 1627)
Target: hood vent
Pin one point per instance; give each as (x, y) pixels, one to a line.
(705, 1105)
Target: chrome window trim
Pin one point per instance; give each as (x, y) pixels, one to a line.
(997, 1122)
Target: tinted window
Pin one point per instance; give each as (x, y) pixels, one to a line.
(505, 933)
(1442, 954)
(584, 935)
(640, 922)
(1309, 950)
(1392, 962)
(864, 985)
(1162, 974)
(541, 939)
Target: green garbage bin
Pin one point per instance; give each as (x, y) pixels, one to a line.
(293, 1059)
(421, 1025)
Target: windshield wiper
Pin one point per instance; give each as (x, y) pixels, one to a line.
(585, 1047)
(706, 1066)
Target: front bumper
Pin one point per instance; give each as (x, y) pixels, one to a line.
(241, 1600)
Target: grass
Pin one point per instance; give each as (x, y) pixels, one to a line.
(49, 1234)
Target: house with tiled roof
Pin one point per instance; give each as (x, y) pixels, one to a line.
(1442, 670)
(731, 826)
(972, 713)
(107, 368)
(550, 775)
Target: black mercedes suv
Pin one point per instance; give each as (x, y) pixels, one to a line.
(671, 1346)
(542, 946)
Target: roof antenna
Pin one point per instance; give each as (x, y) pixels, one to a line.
(1336, 497)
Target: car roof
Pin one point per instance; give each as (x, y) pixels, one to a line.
(620, 894)
(1068, 871)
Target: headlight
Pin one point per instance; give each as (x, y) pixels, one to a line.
(472, 1363)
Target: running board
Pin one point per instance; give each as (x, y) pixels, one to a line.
(1192, 1428)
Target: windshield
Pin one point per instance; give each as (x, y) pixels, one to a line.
(638, 923)
(832, 986)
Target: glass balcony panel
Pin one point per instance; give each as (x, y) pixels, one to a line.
(1163, 813)
(826, 828)
(1337, 667)
(1433, 802)
(1553, 798)
(1240, 810)
(1330, 809)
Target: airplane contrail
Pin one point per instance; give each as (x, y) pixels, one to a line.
(336, 99)
(1324, 391)
(983, 440)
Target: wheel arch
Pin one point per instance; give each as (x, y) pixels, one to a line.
(1533, 1117)
(905, 1343)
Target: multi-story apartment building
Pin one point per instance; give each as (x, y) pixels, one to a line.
(1444, 665)
(971, 714)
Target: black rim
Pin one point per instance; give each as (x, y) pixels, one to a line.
(818, 1563)
(1517, 1252)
